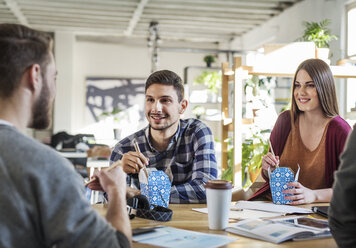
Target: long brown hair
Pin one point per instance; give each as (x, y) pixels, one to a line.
(323, 79)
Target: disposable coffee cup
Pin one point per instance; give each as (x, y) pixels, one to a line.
(218, 195)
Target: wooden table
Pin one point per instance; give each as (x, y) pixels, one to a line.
(185, 218)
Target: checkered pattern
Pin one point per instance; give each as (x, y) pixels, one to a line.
(157, 213)
(279, 179)
(190, 155)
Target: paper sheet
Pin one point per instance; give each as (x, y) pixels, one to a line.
(244, 214)
(270, 207)
(178, 238)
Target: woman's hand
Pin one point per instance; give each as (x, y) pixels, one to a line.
(269, 160)
(300, 194)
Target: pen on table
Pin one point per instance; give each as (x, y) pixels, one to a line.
(109, 169)
(236, 209)
(270, 145)
(137, 148)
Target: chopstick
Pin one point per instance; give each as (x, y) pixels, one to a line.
(109, 169)
(137, 148)
(270, 145)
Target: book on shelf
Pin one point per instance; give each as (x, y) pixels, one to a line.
(280, 230)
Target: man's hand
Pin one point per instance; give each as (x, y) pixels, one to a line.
(133, 162)
(96, 185)
(113, 182)
(109, 180)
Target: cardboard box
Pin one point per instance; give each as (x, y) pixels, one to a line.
(278, 182)
(157, 187)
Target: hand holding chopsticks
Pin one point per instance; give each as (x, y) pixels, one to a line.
(137, 148)
(270, 160)
(113, 166)
(270, 146)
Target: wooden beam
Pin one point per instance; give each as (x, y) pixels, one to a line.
(237, 119)
(225, 115)
(135, 17)
(14, 7)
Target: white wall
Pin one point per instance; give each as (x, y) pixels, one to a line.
(91, 59)
(63, 52)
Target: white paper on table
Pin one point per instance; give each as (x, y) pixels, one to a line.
(244, 214)
(270, 207)
(170, 237)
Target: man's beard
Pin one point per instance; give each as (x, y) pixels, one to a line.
(168, 125)
(41, 109)
(162, 128)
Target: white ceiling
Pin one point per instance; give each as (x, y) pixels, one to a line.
(179, 20)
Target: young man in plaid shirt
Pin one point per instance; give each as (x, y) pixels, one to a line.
(168, 143)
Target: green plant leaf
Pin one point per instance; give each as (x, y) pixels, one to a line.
(210, 79)
(253, 150)
(257, 83)
(209, 59)
(318, 32)
(228, 174)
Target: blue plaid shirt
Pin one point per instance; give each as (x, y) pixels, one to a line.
(190, 155)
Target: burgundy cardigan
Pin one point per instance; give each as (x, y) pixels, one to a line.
(336, 136)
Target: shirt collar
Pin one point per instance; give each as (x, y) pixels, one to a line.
(173, 139)
(3, 122)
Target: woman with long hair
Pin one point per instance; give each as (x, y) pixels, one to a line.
(311, 134)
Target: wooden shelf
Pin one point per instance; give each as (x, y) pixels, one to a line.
(338, 72)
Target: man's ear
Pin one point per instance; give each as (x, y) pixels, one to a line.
(183, 106)
(34, 77)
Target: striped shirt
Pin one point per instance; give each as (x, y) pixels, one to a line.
(190, 156)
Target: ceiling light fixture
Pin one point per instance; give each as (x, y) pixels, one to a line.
(153, 41)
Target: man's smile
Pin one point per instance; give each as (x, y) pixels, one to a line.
(158, 117)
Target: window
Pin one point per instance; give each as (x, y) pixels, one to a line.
(351, 53)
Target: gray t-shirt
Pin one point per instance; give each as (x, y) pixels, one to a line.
(42, 199)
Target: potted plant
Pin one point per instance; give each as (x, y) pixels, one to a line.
(257, 84)
(319, 33)
(211, 79)
(253, 150)
(114, 113)
(198, 111)
(257, 90)
(208, 59)
(228, 174)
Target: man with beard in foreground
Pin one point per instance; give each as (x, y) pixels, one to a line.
(43, 201)
(182, 148)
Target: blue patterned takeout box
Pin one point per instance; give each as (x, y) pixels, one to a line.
(157, 188)
(278, 182)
